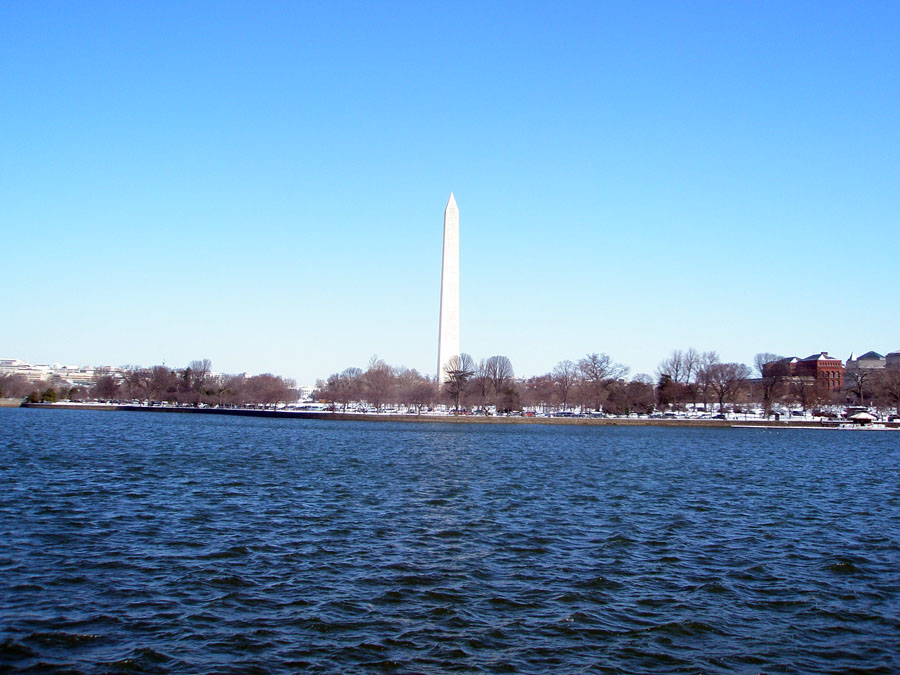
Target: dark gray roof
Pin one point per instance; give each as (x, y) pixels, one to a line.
(869, 355)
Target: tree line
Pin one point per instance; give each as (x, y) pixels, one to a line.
(688, 376)
(594, 381)
(194, 384)
(686, 379)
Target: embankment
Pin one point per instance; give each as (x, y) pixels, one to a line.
(441, 419)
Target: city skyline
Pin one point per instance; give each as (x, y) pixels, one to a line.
(637, 179)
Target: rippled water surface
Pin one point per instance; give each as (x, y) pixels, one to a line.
(193, 543)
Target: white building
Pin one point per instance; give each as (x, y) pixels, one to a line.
(74, 375)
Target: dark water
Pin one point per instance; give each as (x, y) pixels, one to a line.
(155, 543)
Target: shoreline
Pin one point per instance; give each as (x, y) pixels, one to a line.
(460, 419)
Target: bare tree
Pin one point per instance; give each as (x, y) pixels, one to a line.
(480, 383)
(888, 387)
(565, 375)
(596, 372)
(540, 391)
(15, 386)
(426, 393)
(858, 382)
(342, 388)
(459, 370)
(668, 391)
(379, 381)
(636, 396)
(771, 379)
(200, 370)
(673, 367)
(726, 380)
(705, 363)
(226, 389)
(163, 384)
(105, 384)
(414, 390)
(132, 381)
(500, 372)
(269, 389)
(509, 398)
(690, 363)
(674, 376)
(807, 392)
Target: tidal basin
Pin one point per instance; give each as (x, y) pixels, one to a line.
(192, 543)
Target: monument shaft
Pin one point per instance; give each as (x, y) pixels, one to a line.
(448, 339)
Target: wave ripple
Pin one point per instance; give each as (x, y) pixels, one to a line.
(136, 542)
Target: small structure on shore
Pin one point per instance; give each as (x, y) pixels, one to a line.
(862, 418)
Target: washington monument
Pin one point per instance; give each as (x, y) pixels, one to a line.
(448, 339)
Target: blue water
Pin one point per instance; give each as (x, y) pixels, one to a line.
(150, 542)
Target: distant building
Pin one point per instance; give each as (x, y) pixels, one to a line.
(892, 360)
(29, 372)
(82, 375)
(820, 368)
(786, 367)
(868, 361)
(11, 366)
(73, 375)
(827, 371)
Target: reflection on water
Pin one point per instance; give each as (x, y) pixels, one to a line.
(140, 541)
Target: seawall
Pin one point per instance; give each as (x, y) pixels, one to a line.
(441, 419)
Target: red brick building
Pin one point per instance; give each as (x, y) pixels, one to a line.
(827, 371)
(824, 370)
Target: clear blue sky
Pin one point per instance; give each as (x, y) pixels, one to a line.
(263, 184)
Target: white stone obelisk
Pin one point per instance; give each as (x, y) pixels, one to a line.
(448, 339)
